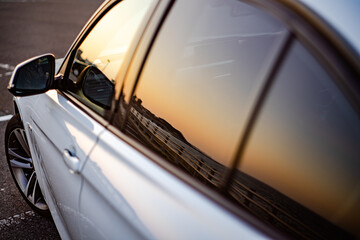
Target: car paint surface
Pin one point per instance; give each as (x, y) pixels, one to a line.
(117, 191)
(113, 196)
(50, 135)
(147, 202)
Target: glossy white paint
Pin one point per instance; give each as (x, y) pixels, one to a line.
(127, 194)
(58, 126)
(123, 193)
(53, 124)
(114, 191)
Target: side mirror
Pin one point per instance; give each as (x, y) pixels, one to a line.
(33, 76)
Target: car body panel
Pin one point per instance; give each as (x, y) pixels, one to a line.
(57, 125)
(121, 189)
(121, 185)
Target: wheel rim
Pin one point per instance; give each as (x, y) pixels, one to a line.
(22, 168)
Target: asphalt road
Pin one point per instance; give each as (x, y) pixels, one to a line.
(29, 28)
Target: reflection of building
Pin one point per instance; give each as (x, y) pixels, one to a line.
(169, 142)
(280, 211)
(256, 197)
(79, 63)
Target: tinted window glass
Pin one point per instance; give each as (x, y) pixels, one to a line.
(301, 168)
(198, 83)
(99, 58)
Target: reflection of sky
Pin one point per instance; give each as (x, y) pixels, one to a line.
(343, 16)
(107, 47)
(201, 83)
(307, 143)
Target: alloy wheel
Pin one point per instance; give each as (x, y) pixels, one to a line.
(22, 169)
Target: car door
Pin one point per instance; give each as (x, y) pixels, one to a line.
(62, 136)
(97, 68)
(304, 162)
(63, 127)
(64, 124)
(158, 170)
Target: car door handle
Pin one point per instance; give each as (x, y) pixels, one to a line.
(71, 161)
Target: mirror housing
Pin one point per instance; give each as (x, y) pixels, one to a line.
(33, 76)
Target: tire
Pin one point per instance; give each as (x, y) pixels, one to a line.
(21, 166)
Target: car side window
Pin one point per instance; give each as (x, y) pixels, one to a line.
(99, 58)
(198, 84)
(300, 170)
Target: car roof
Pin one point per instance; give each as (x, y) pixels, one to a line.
(342, 15)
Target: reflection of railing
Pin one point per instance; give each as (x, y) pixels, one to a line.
(195, 162)
(267, 203)
(273, 214)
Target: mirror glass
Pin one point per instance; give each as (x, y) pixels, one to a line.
(34, 75)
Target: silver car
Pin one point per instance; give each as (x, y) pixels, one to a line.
(206, 119)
